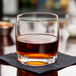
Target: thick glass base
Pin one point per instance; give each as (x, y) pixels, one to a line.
(36, 61)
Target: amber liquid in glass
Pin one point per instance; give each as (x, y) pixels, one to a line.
(37, 46)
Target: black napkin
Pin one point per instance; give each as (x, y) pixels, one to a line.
(62, 62)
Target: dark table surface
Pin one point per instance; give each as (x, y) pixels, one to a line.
(7, 45)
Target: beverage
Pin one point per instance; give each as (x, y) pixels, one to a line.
(37, 46)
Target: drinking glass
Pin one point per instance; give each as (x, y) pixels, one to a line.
(37, 36)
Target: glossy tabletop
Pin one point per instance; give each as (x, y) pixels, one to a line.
(7, 45)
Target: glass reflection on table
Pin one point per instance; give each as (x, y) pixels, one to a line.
(24, 73)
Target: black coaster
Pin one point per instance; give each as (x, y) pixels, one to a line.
(62, 62)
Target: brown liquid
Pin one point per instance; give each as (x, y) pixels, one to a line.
(37, 45)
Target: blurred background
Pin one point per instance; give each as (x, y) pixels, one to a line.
(10, 8)
(14, 7)
(66, 10)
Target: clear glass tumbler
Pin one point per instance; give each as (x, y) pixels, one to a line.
(37, 37)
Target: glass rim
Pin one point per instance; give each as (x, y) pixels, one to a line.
(35, 13)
